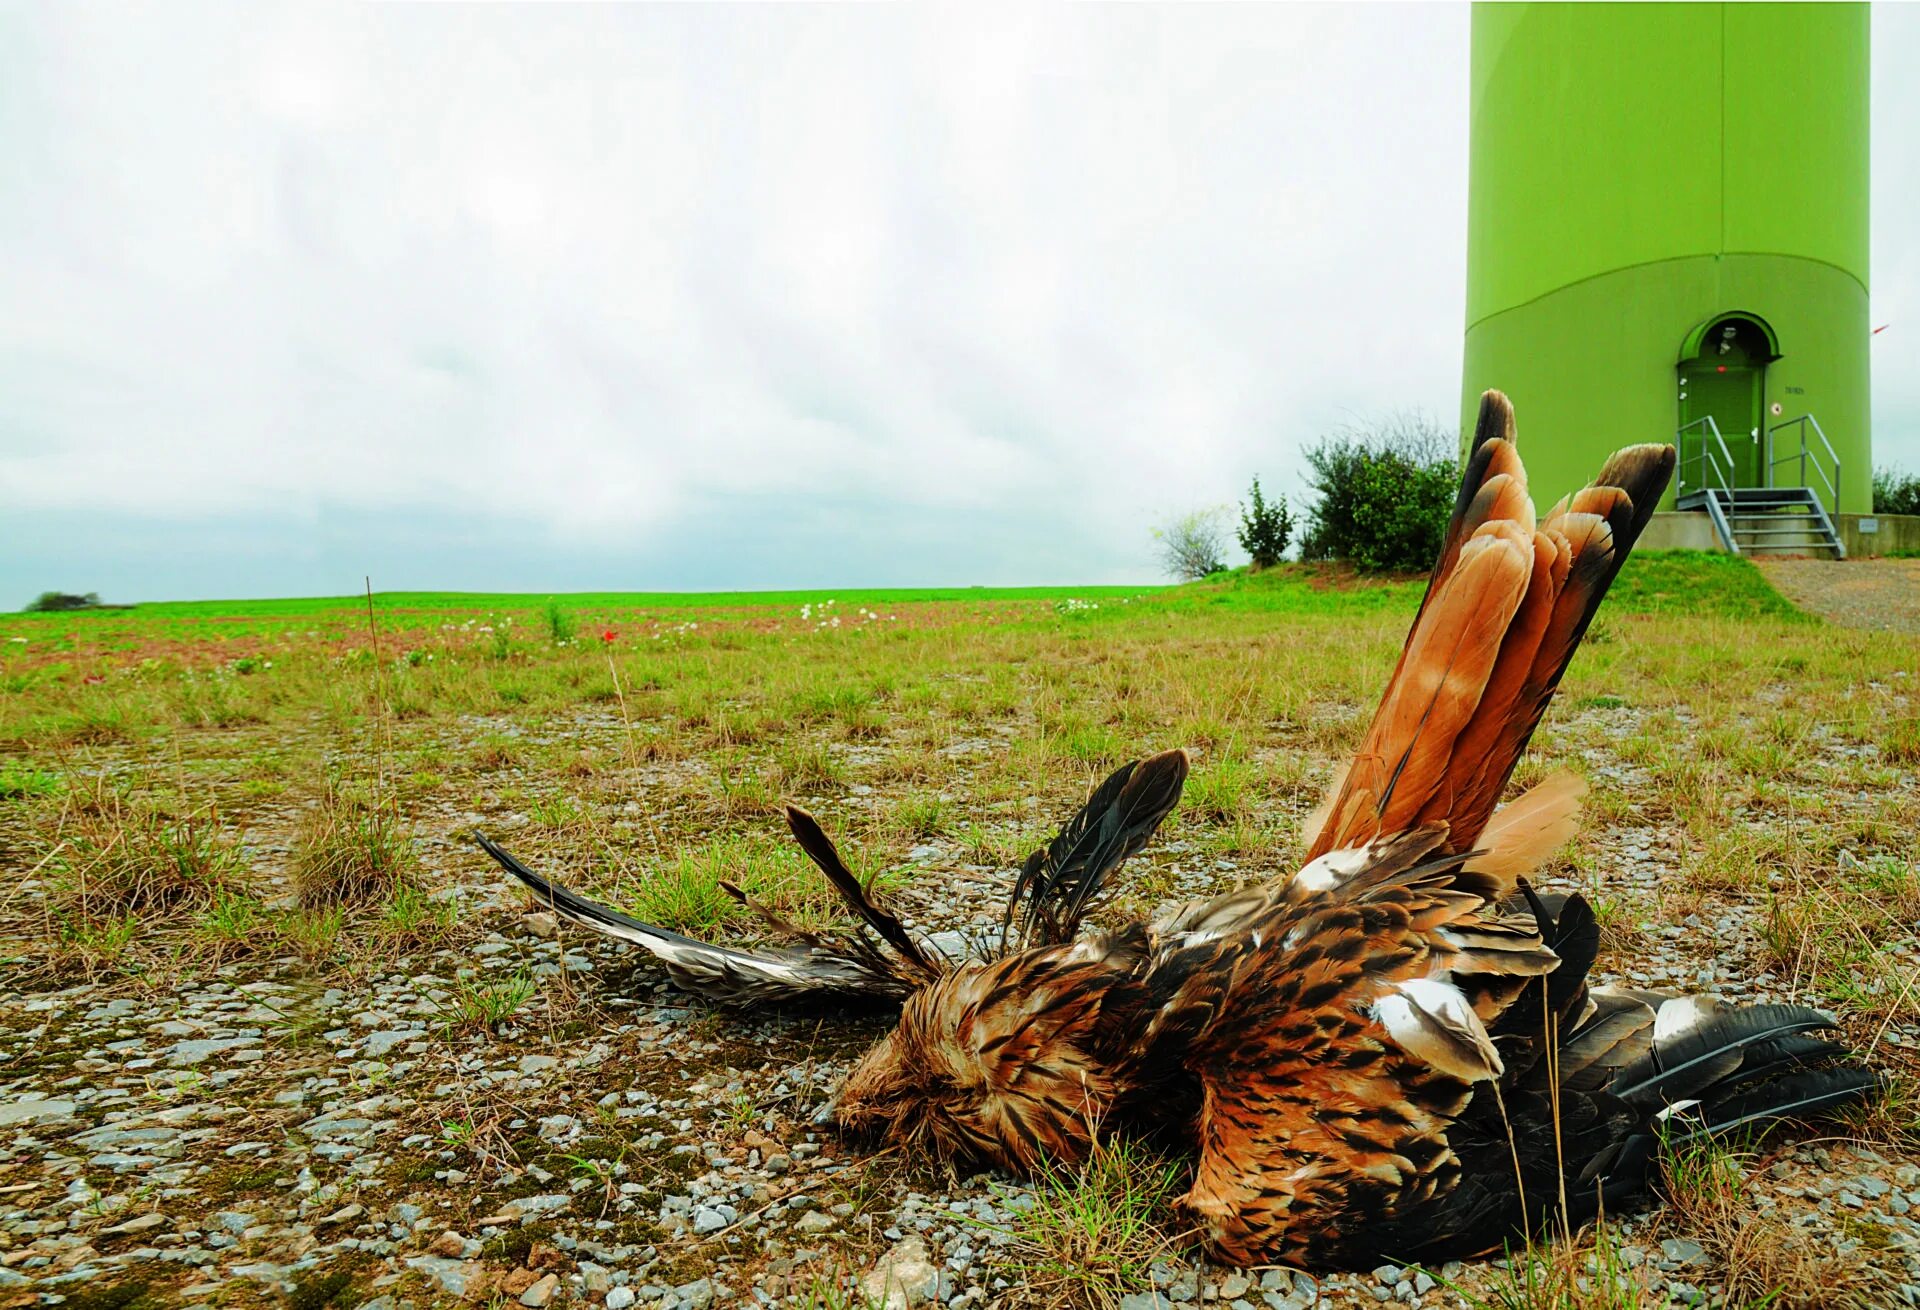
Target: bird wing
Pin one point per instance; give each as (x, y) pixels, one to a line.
(821, 968)
(1335, 1033)
(1060, 881)
(1506, 606)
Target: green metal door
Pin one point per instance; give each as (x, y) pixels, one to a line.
(1731, 395)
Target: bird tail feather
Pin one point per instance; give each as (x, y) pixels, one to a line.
(1506, 606)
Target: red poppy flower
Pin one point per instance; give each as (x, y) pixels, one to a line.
(609, 635)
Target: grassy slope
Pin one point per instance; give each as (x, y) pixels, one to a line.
(466, 601)
(1680, 582)
(1654, 582)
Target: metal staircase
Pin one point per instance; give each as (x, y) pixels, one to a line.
(1753, 520)
(1757, 520)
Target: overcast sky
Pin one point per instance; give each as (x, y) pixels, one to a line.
(567, 298)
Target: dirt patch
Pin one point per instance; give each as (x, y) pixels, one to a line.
(1882, 594)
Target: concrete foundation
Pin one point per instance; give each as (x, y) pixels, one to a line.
(1865, 535)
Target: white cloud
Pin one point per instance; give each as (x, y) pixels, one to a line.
(604, 274)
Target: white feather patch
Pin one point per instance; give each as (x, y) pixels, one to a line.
(1677, 1108)
(1432, 1021)
(1680, 1015)
(1331, 869)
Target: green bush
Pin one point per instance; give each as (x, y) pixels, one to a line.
(1265, 527)
(1385, 493)
(1895, 492)
(53, 602)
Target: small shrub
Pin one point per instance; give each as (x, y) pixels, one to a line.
(496, 752)
(920, 816)
(126, 857)
(1384, 494)
(1895, 492)
(683, 893)
(56, 602)
(807, 767)
(1192, 545)
(482, 1006)
(561, 624)
(1221, 792)
(350, 852)
(1265, 527)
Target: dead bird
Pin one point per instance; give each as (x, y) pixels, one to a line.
(1392, 1053)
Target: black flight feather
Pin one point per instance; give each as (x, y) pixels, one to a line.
(1059, 881)
(820, 850)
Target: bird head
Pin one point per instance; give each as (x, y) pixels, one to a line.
(991, 1064)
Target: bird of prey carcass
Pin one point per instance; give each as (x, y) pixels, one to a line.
(1393, 1052)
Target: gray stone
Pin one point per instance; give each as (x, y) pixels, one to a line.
(110, 1136)
(233, 1221)
(1145, 1301)
(146, 1223)
(264, 1271)
(35, 1112)
(904, 1277)
(619, 1298)
(706, 1220)
(816, 1221)
(1682, 1251)
(532, 1205)
(453, 1276)
(379, 1044)
(541, 1292)
(697, 1295)
(198, 1051)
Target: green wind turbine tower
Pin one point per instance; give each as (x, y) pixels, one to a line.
(1667, 240)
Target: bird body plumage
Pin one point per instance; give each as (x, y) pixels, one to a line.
(1393, 1052)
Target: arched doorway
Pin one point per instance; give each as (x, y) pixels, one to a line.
(1723, 376)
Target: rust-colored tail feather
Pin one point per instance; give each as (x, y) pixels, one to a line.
(1505, 608)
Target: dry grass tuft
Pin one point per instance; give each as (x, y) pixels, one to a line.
(1584, 1272)
(1828, 934)
(1095, 1230)
(1761, 1258)
(350, 851)
(120, 857)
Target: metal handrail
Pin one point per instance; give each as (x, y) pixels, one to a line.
(1801, 424)
(1722, 473)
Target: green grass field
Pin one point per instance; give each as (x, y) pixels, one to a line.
(281, 790)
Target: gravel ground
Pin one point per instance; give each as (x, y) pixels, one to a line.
(1857, 593)
(265, 1136)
